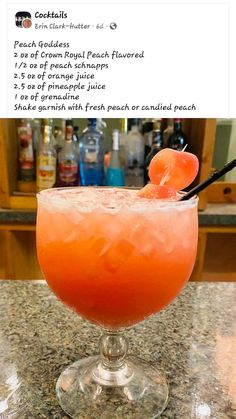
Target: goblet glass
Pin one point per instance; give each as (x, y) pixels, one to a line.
(115, 259)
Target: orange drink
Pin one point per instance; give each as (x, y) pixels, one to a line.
(113, 257)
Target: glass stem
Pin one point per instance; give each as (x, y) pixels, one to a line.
(112, 368)
(113, 349)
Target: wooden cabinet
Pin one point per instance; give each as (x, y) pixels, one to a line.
(224, 191)
(10, 197)
(17, 245)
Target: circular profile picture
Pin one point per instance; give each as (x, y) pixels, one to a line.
(23, 20)
(26, 23)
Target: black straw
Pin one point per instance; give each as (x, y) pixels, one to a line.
(216, 175)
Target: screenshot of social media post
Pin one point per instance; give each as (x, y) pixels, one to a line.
(118, 209)
(97, 60)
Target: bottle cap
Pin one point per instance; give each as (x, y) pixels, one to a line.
(47, 121)
(147, 127)
(92, 121)
(115, 139)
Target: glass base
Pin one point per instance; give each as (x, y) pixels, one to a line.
(87, 389)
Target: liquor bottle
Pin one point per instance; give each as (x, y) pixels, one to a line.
(134, 156)
(157, 145)
(147, 128)
(46, 160)
(115, 173)
(75, 137)
(177, 139)
(131, 122)
(59, 137)
(106, 159)
(91, 155)
(123, 139)
(168, 131)
(36, 127)
(26, 158)
(68, 173)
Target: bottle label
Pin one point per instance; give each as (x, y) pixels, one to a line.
(91, 152)
(26, 153)
(68, 171)
(69, 132)
(46, 172)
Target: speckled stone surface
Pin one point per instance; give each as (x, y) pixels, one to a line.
(214, 214)
(193, 340)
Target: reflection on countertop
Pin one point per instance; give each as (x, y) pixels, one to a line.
(193, 340)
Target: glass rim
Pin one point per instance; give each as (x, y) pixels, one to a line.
(162, 203)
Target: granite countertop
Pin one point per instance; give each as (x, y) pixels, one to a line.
(214, 214)
(193, 340)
